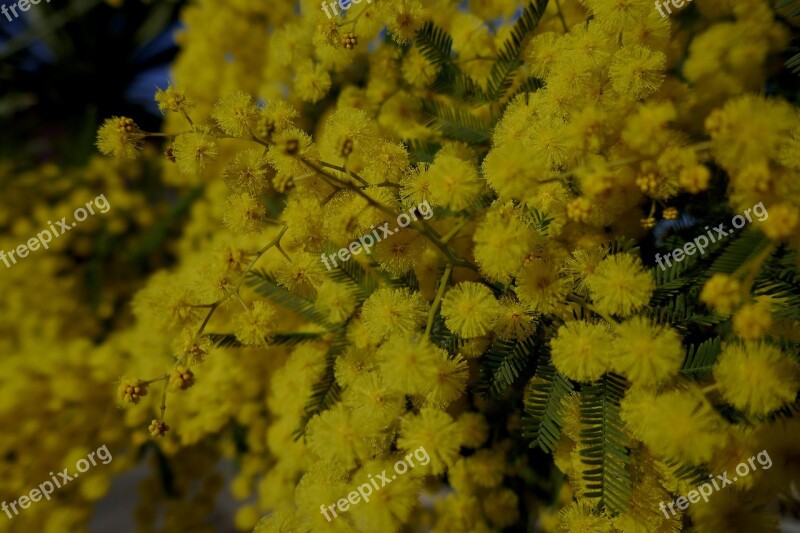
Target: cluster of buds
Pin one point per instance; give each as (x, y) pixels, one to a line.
(131, 391)
(649, 183)
(578, 209)
(648, 223)
(158, 428)
(350, 40)
(181, 378)
(670, 213)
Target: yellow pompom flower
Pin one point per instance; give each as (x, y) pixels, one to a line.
(353, 365)
(387, 161)
(407, 364)
(236, 114)
(276, 116)
(474, 429)
(244, 214)
(501, 507)
(174, 99)
(782, 221)
(637, 71)
(337, 299)
(721, 292)
(449, 378)
(334, 436)
(247, 173)
(513, 320)
(453, 182)
(542, 52)
(679, 424)
(468, 309)
(393, 312)
(404, 18)
(646, 354)
(348, 130)
(417, 70)
(194, 151)
(373, 403)
(254, 327)
(436, 432)
(581, 350)
(694, 178)
(389, 507)
(580, 516)
(757, 377)
(620, 285)
(120, 137)
(302, 276)
(399, 253)
(501, 242)
(513, 171)
(541, 287)
(312, 82)
(291, 146)
(752, 321)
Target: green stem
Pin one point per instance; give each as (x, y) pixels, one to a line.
(438, 299)
(561, 16)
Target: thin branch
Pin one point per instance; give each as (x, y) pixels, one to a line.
(437, 300)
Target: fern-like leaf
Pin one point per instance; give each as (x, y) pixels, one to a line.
(435, 44)
(699, 361)
(224, 340)
(606, 445)
(352, 274)
(456, 124)
(326, 391)
(267, 287)
(509, 58)
(542, 422)
(504, 362)
(738, 252)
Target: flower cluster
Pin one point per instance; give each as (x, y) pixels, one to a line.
(558, 144)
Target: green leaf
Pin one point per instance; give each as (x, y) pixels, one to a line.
(689, 473)
(422, 152)
(435, 44)
(542, 422)
(681, 314)
(699, 361)
(226, 340)
(267, 287)
(352, 274)
(326, 391)
(738, 252)
(503, 363)
(606, 444)
(456, 124)
(509, 58)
